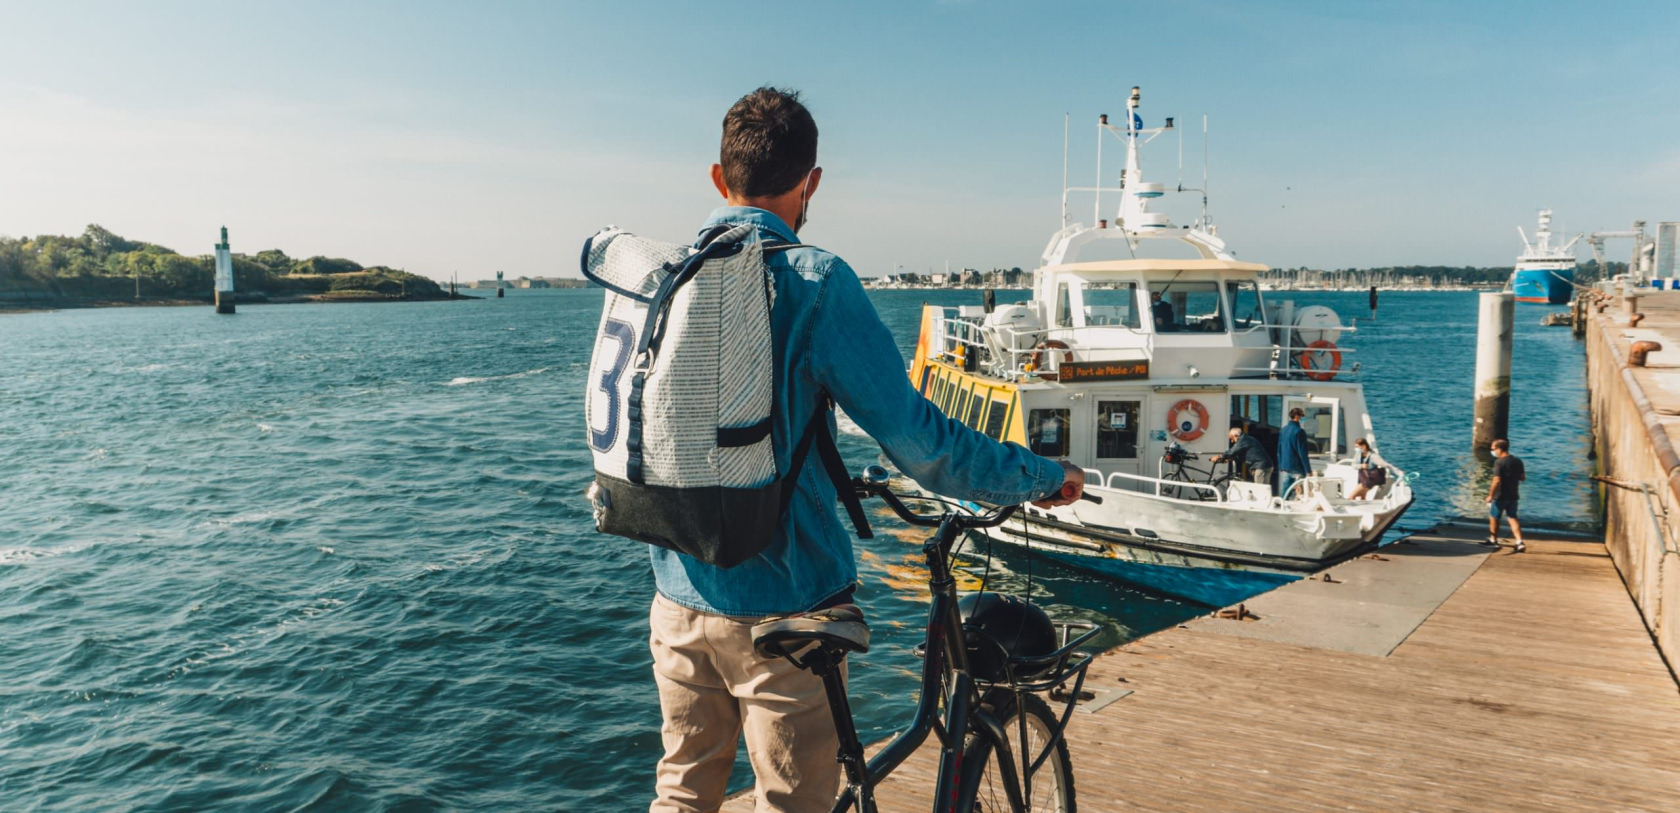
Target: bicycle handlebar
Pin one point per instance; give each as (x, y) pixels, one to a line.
(873, 483)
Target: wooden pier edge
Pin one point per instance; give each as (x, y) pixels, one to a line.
(1529, 683)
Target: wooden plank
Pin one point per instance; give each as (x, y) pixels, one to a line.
(1533, 687)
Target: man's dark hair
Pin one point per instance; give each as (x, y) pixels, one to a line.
(769, 143)
(1296, 412)
(1502, 445)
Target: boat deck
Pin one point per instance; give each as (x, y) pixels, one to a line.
(1429, 676)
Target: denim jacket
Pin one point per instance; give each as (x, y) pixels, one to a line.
(828, 339)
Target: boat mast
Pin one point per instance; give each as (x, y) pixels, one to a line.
(1065, 120)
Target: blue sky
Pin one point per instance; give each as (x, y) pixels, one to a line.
(453, 138)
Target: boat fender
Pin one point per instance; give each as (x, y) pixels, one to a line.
(1038, 358)
(1319, 350)
(1179, 424)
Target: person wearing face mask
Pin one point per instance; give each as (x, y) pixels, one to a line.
(829, 344)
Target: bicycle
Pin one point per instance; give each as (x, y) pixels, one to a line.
(1002, 748)
(1174, 456)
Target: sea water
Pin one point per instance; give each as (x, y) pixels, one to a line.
(338, 556)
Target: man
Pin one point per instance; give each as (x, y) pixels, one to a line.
(1502, 493)
(1162, 311)
(1293, 458)
(829, 342)
(1246, 451)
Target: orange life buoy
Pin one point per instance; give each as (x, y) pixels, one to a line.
(1319, 348)
(1038, 357)
(1185, 430)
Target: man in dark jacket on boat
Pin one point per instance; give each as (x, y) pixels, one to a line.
(1246, 451)
(1294, 460)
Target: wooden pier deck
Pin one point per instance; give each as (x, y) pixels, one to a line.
(1433, 677)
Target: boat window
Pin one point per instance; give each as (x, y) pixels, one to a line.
(977, 407)
(959, 406)
(1320, 425)
(1064, 307)
(1246, 310)
(995, 419)
(1117, 428)
(1113, 307)
(1186, 307)
(1047, 432)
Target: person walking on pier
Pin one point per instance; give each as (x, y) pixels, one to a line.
(829, 343)
(1293, 457)
(1502, 493)
(1246, 451)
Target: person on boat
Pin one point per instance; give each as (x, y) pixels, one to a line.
(1246, 451)
(1162, 310)
(1293, 457)
(1373, 470)
(1502, 493)
(829, 343)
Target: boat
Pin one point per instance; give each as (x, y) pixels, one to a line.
(1544, 273)
(1127, 366)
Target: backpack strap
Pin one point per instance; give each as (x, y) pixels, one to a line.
(834, 465)
(653, 333)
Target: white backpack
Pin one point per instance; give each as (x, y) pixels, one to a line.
(681, 397)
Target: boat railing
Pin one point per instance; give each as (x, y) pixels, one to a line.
(1008, 353)
(1109, 482)
(1013, 354)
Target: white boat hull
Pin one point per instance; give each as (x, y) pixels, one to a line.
(1215, 553)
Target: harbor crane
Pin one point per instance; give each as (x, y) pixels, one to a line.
(1639, 262)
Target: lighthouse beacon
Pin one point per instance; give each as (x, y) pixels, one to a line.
(224, 276)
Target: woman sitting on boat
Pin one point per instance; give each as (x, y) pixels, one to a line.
(1373, 470)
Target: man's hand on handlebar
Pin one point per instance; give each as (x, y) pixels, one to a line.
(1073, 487)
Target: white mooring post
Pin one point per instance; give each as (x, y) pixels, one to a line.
(1493, 367)
(224, 276)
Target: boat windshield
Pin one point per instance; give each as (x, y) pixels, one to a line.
(1186, 307)
(1113, 307)
(1246, 310)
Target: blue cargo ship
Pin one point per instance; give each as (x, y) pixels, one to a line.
(1543, 273)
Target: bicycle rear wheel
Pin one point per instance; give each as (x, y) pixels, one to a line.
(1052, 784)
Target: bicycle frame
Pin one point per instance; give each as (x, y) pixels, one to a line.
(946, 654)
(944, 628)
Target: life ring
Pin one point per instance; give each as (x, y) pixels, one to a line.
(1038, 357)
(1185, 430)
(1321, 373)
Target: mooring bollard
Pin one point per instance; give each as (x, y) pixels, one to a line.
(1493, 368)
(1638, 352)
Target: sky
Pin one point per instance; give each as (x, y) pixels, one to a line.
(453, 138)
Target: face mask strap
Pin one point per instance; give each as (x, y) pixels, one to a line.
(804, 202)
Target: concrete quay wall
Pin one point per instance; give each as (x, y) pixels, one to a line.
(1635, 424)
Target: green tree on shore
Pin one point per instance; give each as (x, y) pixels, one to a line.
(100, 264)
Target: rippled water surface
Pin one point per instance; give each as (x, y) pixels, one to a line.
(338, 555)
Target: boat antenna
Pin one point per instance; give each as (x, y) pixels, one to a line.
(1181, 160)
(1096, 210)
(1065, 120)
(1205, 222)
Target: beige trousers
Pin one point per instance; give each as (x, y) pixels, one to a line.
(713, 689)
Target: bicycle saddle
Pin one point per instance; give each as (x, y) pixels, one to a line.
(841, 627)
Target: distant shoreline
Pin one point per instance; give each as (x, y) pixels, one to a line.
(69, 303)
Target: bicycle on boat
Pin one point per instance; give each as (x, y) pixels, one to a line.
(1204, 484)
(985, 661)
